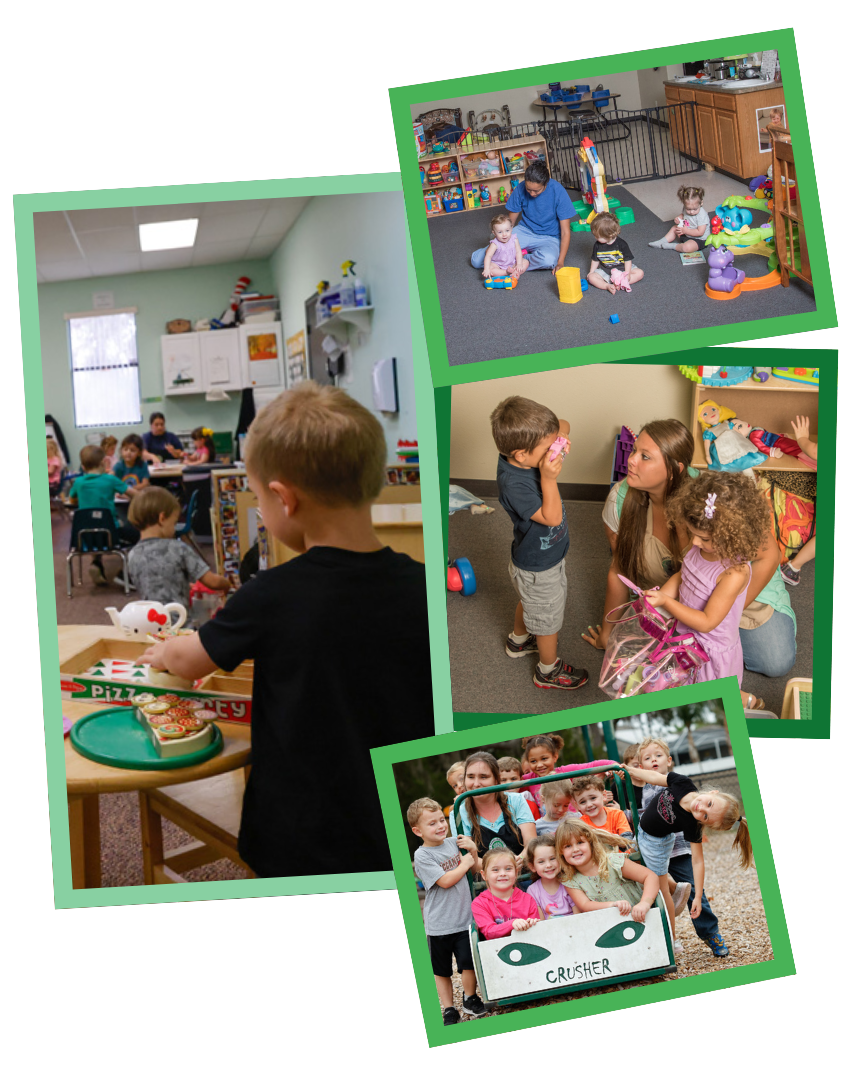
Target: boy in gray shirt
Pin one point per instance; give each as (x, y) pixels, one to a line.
(160, 566)
(441, 867)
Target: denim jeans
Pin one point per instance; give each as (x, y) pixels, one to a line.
(770, 649)
(706, 923)
(542, 251)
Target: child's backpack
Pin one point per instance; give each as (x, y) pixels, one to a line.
(645, 653)
(792, 502)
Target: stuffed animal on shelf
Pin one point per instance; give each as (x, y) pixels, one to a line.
(485, 195)
(773, 444)
(231, 314)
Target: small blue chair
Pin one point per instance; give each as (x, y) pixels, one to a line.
(92, 533)
(185, 530)
(601, 98)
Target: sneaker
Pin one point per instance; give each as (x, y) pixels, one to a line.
(716, 944)
(678, 947)
(561, 677)
(529, 646)
(96, 572)
(790, 576)
(451, 1016)
(473, 1006)
(680, 897)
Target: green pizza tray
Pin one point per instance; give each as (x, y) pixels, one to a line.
(114, 737)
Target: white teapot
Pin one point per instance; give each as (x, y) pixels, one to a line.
(142, 617)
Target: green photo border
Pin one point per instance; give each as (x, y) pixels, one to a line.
(25, 205)
(826, 361)
(403, 97)
(782, 964)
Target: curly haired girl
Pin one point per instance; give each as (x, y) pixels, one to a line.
(727, 518)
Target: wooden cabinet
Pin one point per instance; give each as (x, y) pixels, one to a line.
(725, 129)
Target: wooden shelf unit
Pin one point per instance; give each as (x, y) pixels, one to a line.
(770, 405)
(504, 149)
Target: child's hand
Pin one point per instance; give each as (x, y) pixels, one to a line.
(468, 860)
(468, 844)
(597, 637)
(656, 597)
(524, 924)
(154, 656)
(801, 427)
(487, 272)
(639, 912)
(623, 906)
(550, 470)
(696, 907)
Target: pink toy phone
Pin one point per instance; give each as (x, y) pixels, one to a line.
(560, 446)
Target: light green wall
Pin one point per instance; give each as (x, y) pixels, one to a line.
(159, 296)
(371, 230)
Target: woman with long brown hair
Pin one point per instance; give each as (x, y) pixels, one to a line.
(498, 819)
(648, 550)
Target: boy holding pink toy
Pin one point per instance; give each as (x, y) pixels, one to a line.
(528, 437)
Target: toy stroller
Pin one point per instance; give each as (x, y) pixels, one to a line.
(645, 653)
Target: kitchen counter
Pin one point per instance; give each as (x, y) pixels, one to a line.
(738, 86)
(720, 124)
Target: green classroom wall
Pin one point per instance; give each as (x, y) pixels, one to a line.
(159, 296)
(368, 228)
(371, 230)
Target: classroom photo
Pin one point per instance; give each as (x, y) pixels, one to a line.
(233, 477)
(609, 206)
(620, 529)
(540, 867)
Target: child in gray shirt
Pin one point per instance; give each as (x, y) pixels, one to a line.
(160, 566)
(691, 227)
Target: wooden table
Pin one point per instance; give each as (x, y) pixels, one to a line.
(86, 780)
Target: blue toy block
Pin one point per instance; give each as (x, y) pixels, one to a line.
(585, 284)
(615, 318)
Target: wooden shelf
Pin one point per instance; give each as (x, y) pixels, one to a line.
(770, 405)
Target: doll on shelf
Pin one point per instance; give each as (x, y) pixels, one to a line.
(772, 444)
(726, 448)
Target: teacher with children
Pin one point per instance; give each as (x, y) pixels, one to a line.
(648, 549)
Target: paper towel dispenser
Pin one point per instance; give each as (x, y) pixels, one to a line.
(385, 390)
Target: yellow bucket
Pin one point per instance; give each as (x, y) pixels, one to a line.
(569, 284)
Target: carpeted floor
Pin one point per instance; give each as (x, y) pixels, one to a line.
(485, 324)
(485, 679)
(119, 815)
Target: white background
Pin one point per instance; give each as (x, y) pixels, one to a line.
(109, 96)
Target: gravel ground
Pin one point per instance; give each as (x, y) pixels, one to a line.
(735, 898)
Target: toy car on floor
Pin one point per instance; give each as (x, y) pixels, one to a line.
(461, 577)
(508, 282)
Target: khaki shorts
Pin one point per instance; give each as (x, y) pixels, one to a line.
(543, 597)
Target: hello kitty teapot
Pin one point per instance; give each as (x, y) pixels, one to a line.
(142, 617)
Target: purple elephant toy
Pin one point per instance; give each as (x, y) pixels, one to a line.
(723, 276)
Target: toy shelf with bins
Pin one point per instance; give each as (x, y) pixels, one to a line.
(504, 149)
(770, 405)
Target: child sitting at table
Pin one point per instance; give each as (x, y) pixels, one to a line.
(161, 567)
(132, 468)
(204, 447)
(108, 445)
(55, 467)
(97, 490)
(316, 460)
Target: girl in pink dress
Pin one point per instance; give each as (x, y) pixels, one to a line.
(727, 519)
(503, 255)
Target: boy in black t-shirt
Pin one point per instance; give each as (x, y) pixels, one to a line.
(610, 253)
(338, 635)
(523, 431)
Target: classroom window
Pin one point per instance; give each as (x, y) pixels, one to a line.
(105, 373)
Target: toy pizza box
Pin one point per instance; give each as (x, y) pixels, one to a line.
(109, 671)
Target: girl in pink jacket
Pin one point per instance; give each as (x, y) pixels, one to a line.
(502, 908)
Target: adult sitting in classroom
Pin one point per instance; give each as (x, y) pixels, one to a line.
(647, 551)
(158, 443)
(545, 210)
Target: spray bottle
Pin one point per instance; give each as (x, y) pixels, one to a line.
(361, 297)
(347, 288)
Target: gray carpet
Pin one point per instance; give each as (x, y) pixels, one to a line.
(486, 680)
(486, 324)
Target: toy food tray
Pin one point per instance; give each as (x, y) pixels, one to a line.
(108, 671)
(114, 737)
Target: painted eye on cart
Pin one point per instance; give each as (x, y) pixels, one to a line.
(621, 935)
(520, 953)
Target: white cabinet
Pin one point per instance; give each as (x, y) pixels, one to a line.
(220, 359)
(262, 354)
(180, 358)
